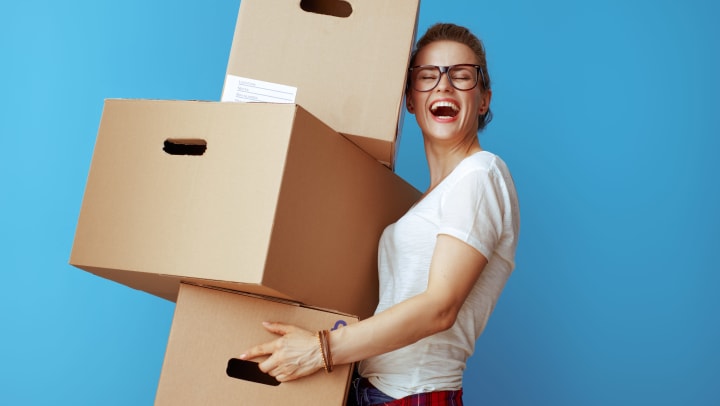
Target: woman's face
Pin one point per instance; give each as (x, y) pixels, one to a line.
(445, 113)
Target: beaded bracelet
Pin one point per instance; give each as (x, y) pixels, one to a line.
(328, 353)
(322, 350)
(324, 342)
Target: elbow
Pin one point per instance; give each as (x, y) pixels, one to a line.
(439, 313)
(444, 320)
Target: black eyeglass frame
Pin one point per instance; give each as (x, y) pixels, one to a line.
(446, 69)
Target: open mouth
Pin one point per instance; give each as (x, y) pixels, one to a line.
(444, 109)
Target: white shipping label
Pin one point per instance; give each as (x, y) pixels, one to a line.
(239, 89)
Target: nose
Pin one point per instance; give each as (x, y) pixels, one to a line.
(444, 81)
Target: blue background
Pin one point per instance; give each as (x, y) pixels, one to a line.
(606, 112)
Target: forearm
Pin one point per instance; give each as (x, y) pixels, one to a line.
(401, 325)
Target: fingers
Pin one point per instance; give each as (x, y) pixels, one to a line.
(278, 328)
(284, 372)
(257, 351)
(294, 354)
(281, 375)
(269, 347)
(281, 372)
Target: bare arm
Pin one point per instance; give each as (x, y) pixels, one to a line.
(454, 269)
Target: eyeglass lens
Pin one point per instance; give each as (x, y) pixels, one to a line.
(462, 77)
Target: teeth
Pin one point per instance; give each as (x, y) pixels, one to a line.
(444, 103)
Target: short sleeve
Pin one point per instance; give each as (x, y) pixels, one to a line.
(471, 210)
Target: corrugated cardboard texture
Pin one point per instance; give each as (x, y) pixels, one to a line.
(279, 204)
(350, 72)
(211, 326)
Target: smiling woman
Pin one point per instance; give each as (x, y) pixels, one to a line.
(462, 76)
(443, 265)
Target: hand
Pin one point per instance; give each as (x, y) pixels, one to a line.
(294, 355)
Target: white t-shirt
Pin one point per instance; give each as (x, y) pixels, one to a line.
(477, 204)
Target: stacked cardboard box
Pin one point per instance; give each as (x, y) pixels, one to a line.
(243, 212)
(211, 327)
(348, 68)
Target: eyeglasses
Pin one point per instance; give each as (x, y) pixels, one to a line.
(464, 76)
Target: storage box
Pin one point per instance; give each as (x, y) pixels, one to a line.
(277, 203)
(348, 66)
(211, 327)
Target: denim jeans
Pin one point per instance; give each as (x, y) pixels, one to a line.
(364, 394)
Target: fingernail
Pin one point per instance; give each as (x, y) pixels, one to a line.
(242, 356)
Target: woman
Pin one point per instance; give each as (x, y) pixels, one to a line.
(443, 265)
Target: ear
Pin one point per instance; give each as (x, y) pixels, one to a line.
(409, 105)
(484, 104)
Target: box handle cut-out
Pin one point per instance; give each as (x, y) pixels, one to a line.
(249, 371)
(185, 146)
(335, 8)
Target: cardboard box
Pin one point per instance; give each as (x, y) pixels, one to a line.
(211, 327)
(277, 203)
(349, 68)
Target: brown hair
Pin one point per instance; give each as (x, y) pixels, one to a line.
(456, 33)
